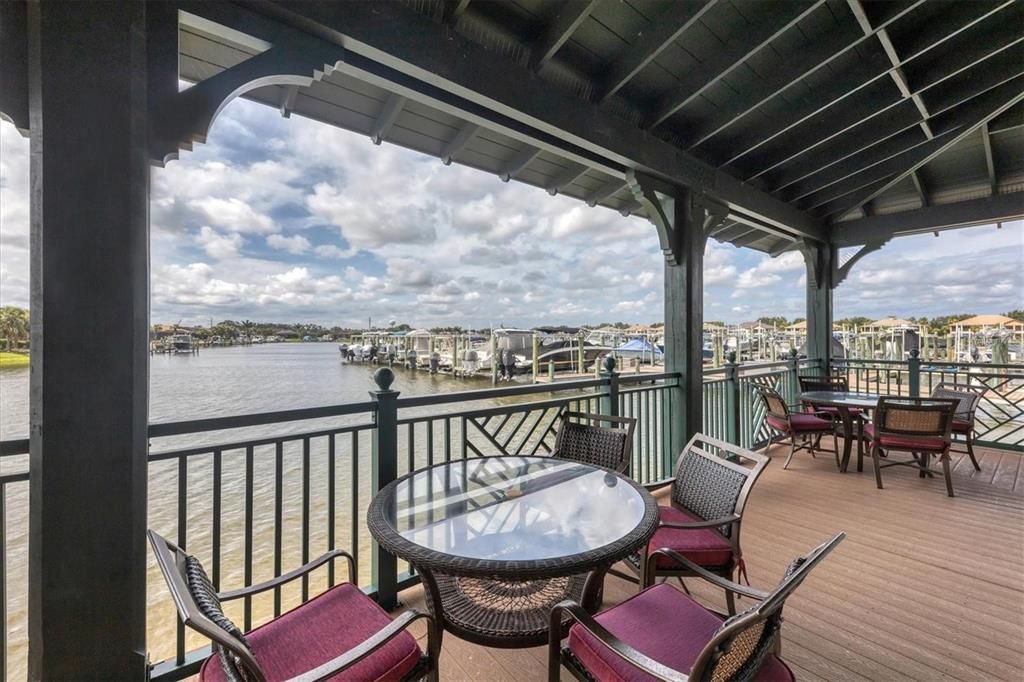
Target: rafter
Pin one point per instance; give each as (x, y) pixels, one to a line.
(983, 110)
(567, 19)
(990, 161)
(520, 160)
(388, 115)
(990, 65)
(605, 191)
(920, 187)
(778, 18)
(451, 10)
(650, 41)
(458, 143)
(288, 95)
(864, 81)
(565, 178)
(749, 237)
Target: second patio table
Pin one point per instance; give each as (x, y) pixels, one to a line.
(498, 541)
(843, 401)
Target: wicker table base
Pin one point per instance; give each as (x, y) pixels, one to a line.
(501, 613)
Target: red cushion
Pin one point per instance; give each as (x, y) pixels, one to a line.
(801, 423)
(932, 443)
(961, 426)
(702, 546)
(663, 623)
(320, 630)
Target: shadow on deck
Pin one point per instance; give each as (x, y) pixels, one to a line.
(925, 587)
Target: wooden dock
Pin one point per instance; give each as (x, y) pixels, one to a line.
(925, 587)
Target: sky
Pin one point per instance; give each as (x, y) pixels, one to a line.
(290, 220)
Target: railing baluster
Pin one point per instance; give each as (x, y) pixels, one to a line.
(430, 442)
(412, 447)
(247, 569)
(354, 512)
(278, 509)
(331, 509)
(305, 516)
(217, 492)
(182, 542)
(447, 439)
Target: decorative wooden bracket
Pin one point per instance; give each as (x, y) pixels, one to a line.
(840, 272)
(179, 119)
(663, 204)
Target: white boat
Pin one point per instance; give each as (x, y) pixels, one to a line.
(182, 343)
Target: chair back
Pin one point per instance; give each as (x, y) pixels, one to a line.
(581, 439)
(199, 609)
(967, 398)
(712, 486)
(743, 642)
(829, 383)
(774, 404)
(915, 417)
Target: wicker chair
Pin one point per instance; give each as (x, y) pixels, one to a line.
(592, 444)
(708, 496)
(968, 398)
(340, 634)
(920, 426)
(808, 427)
(663, 634)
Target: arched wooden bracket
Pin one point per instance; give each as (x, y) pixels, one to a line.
(179, 119)
(818, 258)
(840, 272)
(667, 206)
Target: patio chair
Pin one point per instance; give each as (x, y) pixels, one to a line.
(340, 634)
(663, 634)
(808, 427)
(920, 426)
(608, 447)
(963, 419)
(702, 522)
(834, 382)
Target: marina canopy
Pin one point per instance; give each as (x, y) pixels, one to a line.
(989, 321)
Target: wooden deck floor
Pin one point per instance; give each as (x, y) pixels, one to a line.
(925, 587)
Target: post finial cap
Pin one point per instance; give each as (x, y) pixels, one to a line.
(609, 363)
(384, 377)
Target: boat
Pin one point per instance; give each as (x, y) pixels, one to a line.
(564, 353)
(182, 343)
(514, 351)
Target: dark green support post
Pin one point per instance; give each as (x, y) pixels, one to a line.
(732, 399)
(914, 367)
(820, 262)
(610, 402)
(384, 464)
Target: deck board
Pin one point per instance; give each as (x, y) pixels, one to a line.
(925, 587)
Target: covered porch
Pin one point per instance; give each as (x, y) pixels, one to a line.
(794, 126)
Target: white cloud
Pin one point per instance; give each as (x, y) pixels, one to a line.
(233, 214)
(296, 244)
(332, 251)
(217, 245)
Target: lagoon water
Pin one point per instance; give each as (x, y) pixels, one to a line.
(222, 382)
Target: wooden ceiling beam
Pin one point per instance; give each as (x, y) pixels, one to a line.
(650, 41)
(568, 17)
(388, 115)
(982, 110)
(451, 10)
(1000, 208)
(566, 178)
(920, 187)
(990, 161)
(518, 162)
(605, 192)
(861, 81)
(466, 133)
(778, 18)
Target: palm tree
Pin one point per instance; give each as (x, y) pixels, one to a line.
(13, 325)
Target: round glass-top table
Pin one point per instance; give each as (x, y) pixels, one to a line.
(498, 541)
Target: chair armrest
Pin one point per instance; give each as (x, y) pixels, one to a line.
(718, 580)
(379, 639)
(655, 485)
(291, 575)
(609, 641)
(712, 523)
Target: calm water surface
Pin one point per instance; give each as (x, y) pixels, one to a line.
(221, 382)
